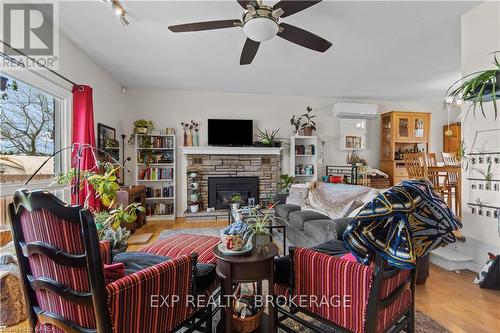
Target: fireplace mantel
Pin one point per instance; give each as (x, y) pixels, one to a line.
(231, 150)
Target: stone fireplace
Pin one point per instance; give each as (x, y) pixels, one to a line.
(221, 189)
(252, 170)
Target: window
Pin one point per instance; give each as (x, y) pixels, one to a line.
(27, 132)
(34, 123)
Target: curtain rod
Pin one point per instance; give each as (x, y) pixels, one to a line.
(41, 65)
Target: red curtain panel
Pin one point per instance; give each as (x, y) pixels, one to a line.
(83, 133)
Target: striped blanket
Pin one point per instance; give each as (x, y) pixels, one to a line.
(402, 224)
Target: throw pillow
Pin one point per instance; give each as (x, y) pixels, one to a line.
(298, 194)
(113, 272)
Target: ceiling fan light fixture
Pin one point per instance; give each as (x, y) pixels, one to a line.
(260, 29)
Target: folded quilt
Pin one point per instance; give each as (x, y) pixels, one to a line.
(336, 200)
(402, 224)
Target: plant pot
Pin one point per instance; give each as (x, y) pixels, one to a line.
(141, 130)
(194, 208)
(193, 174)
(194, 197)
(308, 131)
(194, 186)
(261, 240)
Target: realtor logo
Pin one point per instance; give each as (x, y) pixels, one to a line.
(31, 29)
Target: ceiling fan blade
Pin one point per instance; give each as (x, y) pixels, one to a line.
(249, 50)
(245, 3)
(303, 38)
(291, 7)
(209, 25)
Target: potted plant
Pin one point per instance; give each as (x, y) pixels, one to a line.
(236, 200)
(141, 126)
(478, 87)
(487, 175)
(268, 137)
(259, 223)
(285, 183)
(480, 205)
(104, 183)
(310, 125)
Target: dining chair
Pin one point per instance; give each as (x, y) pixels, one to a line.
(415, 165)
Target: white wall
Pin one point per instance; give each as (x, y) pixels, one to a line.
(480, 37)
(168, 108)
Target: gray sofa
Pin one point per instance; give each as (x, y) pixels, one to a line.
(308, 228)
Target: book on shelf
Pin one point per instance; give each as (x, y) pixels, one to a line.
(159, 208)
(163, 192)
(156, 174)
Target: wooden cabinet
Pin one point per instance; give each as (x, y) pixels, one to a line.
(451, 143)
(402, 132)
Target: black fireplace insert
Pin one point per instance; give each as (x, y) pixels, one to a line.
(221, 189)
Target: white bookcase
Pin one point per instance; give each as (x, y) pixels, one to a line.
(304, 158)
(155, 168)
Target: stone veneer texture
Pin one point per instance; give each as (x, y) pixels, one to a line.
(266, 167)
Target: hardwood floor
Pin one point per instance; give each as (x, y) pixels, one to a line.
(449, 298)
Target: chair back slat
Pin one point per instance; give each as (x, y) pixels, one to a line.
(59, 262)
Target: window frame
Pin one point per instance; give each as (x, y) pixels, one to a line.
(62, 125)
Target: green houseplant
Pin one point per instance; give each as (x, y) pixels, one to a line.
(259, 222)
(268, 137)
(141, 126)
(285, 183)
(478, 88)
(108, 221)
(310, 125)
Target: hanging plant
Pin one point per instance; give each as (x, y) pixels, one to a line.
(477, 88)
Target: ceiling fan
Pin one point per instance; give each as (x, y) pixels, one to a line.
(261, 23)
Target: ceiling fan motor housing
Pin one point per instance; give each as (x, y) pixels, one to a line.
(259, 24)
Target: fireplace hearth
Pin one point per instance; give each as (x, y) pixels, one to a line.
(221, 189)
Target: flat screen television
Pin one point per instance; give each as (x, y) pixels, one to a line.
(230, 132)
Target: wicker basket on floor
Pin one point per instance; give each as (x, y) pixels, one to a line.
(247, 324)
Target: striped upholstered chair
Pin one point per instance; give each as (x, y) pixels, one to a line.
(61, 264)
(345, 295)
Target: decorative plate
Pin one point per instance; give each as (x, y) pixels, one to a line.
(246, 249)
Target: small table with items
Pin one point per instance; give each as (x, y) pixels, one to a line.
(254, 267)
(275, 222)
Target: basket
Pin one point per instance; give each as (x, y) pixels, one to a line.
(247, 324)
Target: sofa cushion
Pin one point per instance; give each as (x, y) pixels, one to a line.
(320, 230)
(283, 211)
(298, 218)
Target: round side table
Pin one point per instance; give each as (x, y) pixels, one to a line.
(253, 267)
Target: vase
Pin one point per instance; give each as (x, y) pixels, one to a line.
(190, 139)
(194, 208)
(196, 138)
(185, 138)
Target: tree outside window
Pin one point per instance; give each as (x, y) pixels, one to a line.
(27, 131)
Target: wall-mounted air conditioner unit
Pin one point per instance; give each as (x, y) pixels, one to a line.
(355, 110)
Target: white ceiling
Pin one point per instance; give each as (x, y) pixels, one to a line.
(381, 50)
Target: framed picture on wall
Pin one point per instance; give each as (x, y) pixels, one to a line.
(106, 140)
